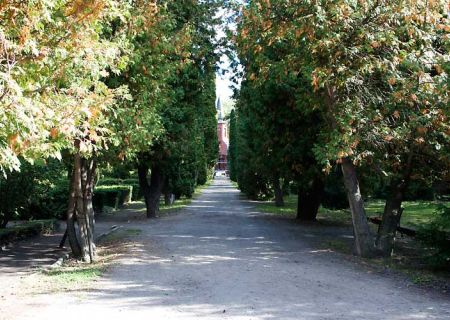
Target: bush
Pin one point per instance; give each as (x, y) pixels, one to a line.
(36, 192)
(183, 187)
(16, 192)
(417, 190)
(109, 181)
(335, 196)
(112, 196)
(133, 182)
(51, 192)
(51, 204)
(137, 193)
(204, 175)
(437, 235)
(255, 186)
(27, 229)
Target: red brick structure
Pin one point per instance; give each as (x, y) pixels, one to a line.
(223, 136)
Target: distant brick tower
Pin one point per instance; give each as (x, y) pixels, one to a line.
(223, 135)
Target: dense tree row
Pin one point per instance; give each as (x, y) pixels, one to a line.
(107, 82)
(357, 89)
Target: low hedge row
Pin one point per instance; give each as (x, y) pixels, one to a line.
(113, 196)
(136, 194)
(27, 229)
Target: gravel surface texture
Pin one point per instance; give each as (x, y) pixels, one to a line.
(221, 259)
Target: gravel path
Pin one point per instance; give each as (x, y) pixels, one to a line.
(219, 259)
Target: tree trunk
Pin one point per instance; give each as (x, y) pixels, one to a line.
(63, 240)
(80, 210)
(309, 200)
(71, 209)
(364, 244)
(279, 201)
(143, 180)
(88, 179)
(286, 189)
(3, 222)
(388, 227)
(151, 191)
(169, 198)
(393, 211)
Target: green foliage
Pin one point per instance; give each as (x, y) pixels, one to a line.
(75, 275)
(437, 235)
(232, 149)
(51, 188)
(126, 183)
(36, 192)
(416, 214)
(289, 210)
(334, 196)
(186, 148)
(27, 229)
(323, 82)
(114, 196)
(15, 193)
(55, 56)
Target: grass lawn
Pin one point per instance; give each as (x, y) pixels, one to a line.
(416, 212)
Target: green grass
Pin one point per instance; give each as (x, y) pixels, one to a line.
(183, 202)
(338, 245)
(120, 234)
(177, 205)
(67, 276)
(289, 209)
(416, 213)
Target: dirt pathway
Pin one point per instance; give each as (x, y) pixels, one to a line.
(219, 259)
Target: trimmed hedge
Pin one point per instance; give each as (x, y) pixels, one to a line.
(27, 229)
(136, 195)
(113, 196)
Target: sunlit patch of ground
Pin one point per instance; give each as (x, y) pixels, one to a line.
(77, 276)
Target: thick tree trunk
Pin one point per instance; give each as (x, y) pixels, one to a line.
(393, 211)
(309, 200)
(152, 191)
(88, 177)
(80, 210)
(72, 233)
(278, 191)
(364, 240)
(63, 240)
(388, 227)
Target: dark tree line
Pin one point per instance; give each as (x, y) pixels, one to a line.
(341, 99)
